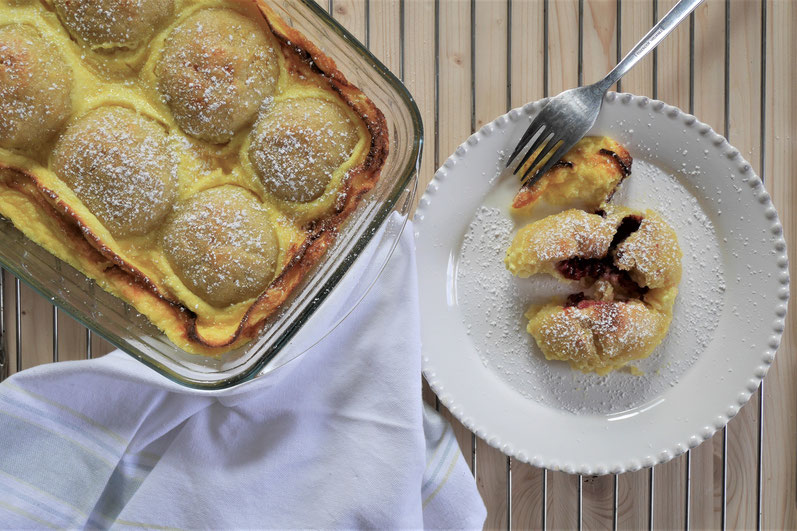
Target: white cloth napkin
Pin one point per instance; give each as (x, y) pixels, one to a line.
(337, 439)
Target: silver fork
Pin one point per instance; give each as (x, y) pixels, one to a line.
(567, 117)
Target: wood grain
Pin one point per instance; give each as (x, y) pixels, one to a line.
(563, 74)
(780, 167)
(526, 83)
(458, 109)
(490, 101)
(636, 19)
(454, 117)
(417, 41)
(709, 68)
(744, 132)
(599, 51)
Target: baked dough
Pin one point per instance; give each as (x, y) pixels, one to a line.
(217, 68)
(601, 336)
(108, 24)
(586, 176)
(149, 190)
(120, 166)
(298, 144)
(222, 245)
(35, 88)
(629, 264)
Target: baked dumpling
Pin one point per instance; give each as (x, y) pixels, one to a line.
(651, 254)
(601, 336)
(540, 246)
(298, 144)
(216, 70)
(108, 24)
(221, 244)
(118, 163)
(629, 263)
(588, 174)
(35, 88)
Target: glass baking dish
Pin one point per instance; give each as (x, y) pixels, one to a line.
(374, 228)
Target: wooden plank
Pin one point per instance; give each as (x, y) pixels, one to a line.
(636, 18)
(10, 322)
(709, 68)
(454, 105)
(672, 86)
(490, 101)
(71, 338)
(385, 33)
(599, 52)
(563, 74)
(37, 329)
(351, 15)
(633, 497)
(600, 39)
(526, 84)
(780, 422)
(419, 78)
(744, 133)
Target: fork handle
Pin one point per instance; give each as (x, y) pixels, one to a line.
(652, 39)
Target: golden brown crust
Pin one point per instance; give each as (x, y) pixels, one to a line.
(600, 336)
(123, 278)
(630, 263)
(590, 172)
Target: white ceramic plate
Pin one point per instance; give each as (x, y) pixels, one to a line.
(728, 318)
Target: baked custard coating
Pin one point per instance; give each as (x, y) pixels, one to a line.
(586, 176)
(540, 245)
(107, 24)
(222, 245)
(120, 193)
(217, 68)
(35, 88)
(119, 164)
(297, 145)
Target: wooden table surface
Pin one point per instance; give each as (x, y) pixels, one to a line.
(466, 62)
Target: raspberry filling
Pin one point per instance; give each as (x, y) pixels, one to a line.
(580, 301)
(604, 268)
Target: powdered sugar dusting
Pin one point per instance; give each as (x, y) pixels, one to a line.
(114, 23)
(218, 68)
(493, 302)
(34, 87)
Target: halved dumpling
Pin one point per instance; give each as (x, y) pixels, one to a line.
(600, 336)
(118, 163)
(222, 245)
(651, 254)
(216, 70)
(35, 88)
(588, 175)
(540, 246)
(113, 23)
(298, 144)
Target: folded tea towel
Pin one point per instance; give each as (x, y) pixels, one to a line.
(337, 438)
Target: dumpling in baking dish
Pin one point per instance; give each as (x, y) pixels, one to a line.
(216, 70)
(118, 164)
(298, 144)
(221, 244)
(35, 88)
(586, 176)
(108, 24)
